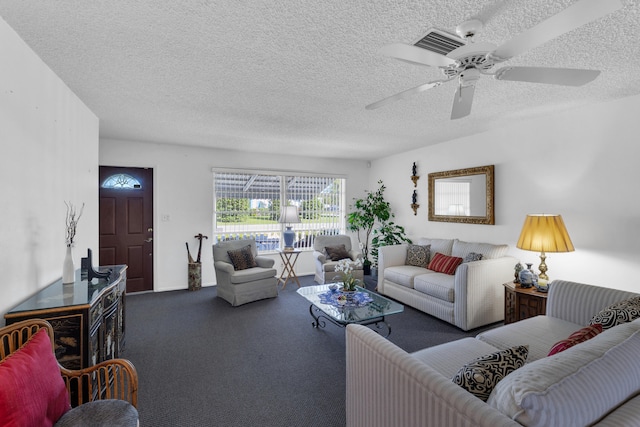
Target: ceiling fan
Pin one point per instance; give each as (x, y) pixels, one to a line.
(468, 61)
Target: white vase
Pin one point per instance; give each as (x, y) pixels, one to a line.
(68, 270)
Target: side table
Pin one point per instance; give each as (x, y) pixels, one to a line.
(289, 259)
(522, 303)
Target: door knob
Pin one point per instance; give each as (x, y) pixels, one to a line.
(149, 240)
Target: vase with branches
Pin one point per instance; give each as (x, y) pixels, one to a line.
(71, 222)
(72, 218)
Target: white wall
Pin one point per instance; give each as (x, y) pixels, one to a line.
(49, 156)
(183, 190)
(582, 164)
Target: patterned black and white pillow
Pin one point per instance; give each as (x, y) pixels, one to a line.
(242, 258)
(472, 256)
(418, 255)
(480, 376)
(618, 313)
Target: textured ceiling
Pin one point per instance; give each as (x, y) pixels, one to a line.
(294, 76)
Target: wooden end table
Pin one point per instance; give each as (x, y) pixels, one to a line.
(289, 259)
(522, 303)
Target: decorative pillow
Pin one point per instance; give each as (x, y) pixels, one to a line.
(336, 253)
(472, 256)
(32, 392)
(620, 312)
(575, 387)
(577, 337)
(444, 264)
(481, 375)
(418, 255)
(242, 258)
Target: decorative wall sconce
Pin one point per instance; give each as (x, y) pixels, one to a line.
(414, 200)
(414, 176)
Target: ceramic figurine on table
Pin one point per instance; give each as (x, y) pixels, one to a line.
(518, 268)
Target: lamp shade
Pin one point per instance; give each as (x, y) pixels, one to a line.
(289, 215)
(544, 233)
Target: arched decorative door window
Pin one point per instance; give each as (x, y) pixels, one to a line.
(122, 181)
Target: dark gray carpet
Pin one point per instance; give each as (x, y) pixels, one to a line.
(202, 362)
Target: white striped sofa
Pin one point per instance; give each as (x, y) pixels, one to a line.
(471, 298)
(595, 383)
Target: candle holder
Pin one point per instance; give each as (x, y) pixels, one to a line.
(414, 174)
(414, 202)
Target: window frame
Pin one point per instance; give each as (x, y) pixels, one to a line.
(308, 229)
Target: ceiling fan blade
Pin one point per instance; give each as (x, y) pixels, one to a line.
(554, 76)
(404, 94)
(415, 55)
(462, 102)
(578, 14)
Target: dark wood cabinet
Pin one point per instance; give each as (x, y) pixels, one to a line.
(522, 303)
(87, 317)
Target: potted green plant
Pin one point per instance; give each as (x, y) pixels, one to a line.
(388, 233)
(371, 210)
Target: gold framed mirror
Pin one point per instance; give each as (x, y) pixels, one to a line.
(462, 195)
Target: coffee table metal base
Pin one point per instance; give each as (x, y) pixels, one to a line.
(318, 323)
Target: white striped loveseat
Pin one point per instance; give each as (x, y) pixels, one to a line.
(470, 298)
(594, 383)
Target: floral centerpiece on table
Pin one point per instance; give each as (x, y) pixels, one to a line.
(72, 222)
(345, 267)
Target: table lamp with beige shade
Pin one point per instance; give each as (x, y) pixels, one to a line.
(544, 233)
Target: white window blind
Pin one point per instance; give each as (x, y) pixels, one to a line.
(453, 197)
(247, 205)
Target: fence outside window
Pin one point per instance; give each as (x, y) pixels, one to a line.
(247, 205)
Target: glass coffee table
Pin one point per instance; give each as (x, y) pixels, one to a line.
(366, 308)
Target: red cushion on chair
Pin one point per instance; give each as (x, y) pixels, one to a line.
(444, 264)
(32, 392)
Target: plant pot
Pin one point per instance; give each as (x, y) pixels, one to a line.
(349, 295)
(366, 268)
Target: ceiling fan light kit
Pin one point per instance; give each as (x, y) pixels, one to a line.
(468, 60)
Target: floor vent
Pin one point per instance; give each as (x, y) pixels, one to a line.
(439, 42)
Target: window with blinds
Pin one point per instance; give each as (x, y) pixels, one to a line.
(453, 197)
(248, 205)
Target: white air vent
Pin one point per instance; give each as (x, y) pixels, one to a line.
(439, 41)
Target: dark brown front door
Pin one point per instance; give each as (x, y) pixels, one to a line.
(126, 223)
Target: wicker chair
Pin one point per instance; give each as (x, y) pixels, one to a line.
(115, 380)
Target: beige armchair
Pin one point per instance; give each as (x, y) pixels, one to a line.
(325, 267)
(250, 282)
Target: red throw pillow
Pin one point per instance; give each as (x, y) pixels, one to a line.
(577, 337)
(32, 392)
(444, 264)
